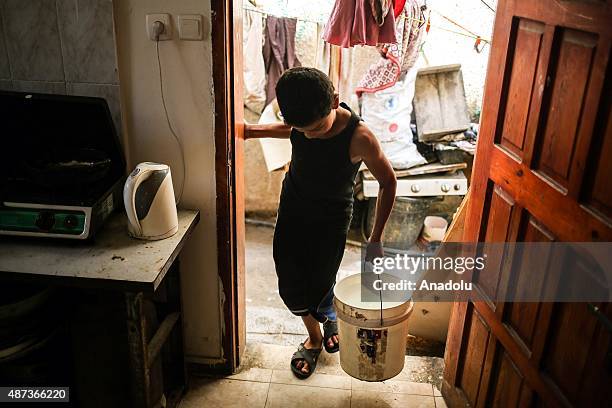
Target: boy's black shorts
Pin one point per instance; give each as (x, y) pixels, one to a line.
(307, 254)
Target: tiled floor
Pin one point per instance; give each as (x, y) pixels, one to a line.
(273, 333)
(266, 381)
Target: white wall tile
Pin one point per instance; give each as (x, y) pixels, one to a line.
(32, 39)
(88, 44)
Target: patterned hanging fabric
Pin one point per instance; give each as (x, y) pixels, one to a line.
(398, 58)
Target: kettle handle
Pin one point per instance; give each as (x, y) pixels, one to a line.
(129, 195)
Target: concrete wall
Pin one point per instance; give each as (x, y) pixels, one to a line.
(187, 69)
(262, 188)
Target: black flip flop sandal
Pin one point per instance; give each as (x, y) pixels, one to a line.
(310, 356)
(330, 328)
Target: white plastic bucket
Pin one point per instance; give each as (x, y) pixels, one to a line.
(369, 350)
(434, 228)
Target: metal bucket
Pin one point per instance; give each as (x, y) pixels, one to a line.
(405, 222)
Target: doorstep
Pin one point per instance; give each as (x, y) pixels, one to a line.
(265, 380)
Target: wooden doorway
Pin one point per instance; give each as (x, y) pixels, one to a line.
(229, 159)
(542, 173)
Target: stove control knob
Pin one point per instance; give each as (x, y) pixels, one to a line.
(457, 187)
(415, 188)
(445, 188)
(70, 221)
(45, 220)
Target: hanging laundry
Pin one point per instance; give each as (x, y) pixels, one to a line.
(346, 85)
(398, 7)
(337, 63)
(352, 23)
(322, 57)
(328, 58)
(278, 51)
(254, 70)
(380, 8)
(398, 58)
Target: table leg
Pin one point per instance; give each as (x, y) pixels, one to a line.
(136, 330)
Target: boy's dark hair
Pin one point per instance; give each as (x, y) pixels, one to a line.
(304, 95)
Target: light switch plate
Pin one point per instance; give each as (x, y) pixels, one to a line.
(190, 27)
(164, 18)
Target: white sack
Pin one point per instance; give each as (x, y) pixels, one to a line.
(387, 114)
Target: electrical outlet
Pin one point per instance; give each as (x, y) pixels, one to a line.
(165, 19)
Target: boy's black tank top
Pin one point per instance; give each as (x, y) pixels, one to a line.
(321, 176)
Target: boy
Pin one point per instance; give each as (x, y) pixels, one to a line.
(329, 142)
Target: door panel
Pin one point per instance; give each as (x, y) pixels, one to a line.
(572, 68)
(510, 389)
(477, 333)
(566, 358)
(542, 174)
(498, 229)
(525, 55)
(597, 191)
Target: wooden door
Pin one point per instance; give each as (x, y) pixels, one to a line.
(542, 173)
(229, 173)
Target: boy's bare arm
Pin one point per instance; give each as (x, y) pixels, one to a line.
(367, 147)
(274, 130)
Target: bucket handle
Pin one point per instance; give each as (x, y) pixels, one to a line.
(375, 323)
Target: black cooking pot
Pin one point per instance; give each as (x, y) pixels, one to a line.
(68, 167)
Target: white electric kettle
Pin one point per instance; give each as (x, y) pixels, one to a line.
(148, 196)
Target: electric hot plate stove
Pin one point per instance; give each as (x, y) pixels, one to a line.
(61, 165)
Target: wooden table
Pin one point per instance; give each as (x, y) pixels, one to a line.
(114, 261)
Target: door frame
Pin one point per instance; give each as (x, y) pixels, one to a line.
(226, 25)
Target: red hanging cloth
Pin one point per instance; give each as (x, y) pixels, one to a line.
(352, 23)
(398, 7)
